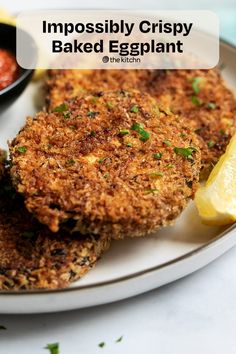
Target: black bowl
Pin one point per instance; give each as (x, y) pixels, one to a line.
(8, 41)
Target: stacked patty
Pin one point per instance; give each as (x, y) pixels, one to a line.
(200, 96)
(115, 163)
(32, 257)
(3, 157)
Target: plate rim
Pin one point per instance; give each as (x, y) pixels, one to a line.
(138, 273)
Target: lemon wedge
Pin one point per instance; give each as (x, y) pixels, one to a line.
(216, 201)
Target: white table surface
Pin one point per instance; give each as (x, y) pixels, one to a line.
(194, 315)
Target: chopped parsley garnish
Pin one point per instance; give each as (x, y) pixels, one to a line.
(73, 127)
(185, 152)
(62, 108)
(195, 100)
(102, 344)
(134, 109)
(183, 135)
(149, 191)
(156, 174)
(92, 114)
(70, 162)
(195, 84)
(157, 155)
(222, 66)
(211, 105)
(93, 133)
(211, 143)
(53, 348)
(124, 132)
(22, 149)
(170, 165)
(66, 114)
(106, 175)
(129, 145)
(102, 160)
(119, 339)
(110, 105)
(167, 142)
(27, 234)
(144, 135)
(2, 328)
(222, 132)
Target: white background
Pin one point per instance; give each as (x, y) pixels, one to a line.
(194, 315)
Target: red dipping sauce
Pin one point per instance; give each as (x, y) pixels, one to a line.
(9, 69)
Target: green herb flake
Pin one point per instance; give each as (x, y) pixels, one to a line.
(222, 132)
(211, 143)
(134, 109)
(183, 135)
(66, 114)
(167, 142)
(92, 114)
(22, 149)
(129, 144)
(185, 152)
(119, 339)
(222, 66)
(2, 328)
(195, 84)
(156, 174)
(102, 344)
(149, 191)
(106, 175)
(211, 105)
(110, 105)
(73, 127)
(102, 160)
(144, 135)
(70, 162)
(124, 132)
(93, 133)
(53, 348)
(62, 108)
(170, 165)
(195, 100)
(28, 234)
(157, 155)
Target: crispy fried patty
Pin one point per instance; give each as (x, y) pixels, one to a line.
(32, 257)
(114, 162)
(3, 157)
(201, 96)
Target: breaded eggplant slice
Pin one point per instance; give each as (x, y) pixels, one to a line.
(200, 96)
(115, 162)
(3, 157)
(32, 257)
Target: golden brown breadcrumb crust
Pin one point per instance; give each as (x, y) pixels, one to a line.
(211, 111)
(110, 161)
(3, 157)
(32, 257)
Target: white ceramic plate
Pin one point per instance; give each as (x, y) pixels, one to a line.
(132, 266)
